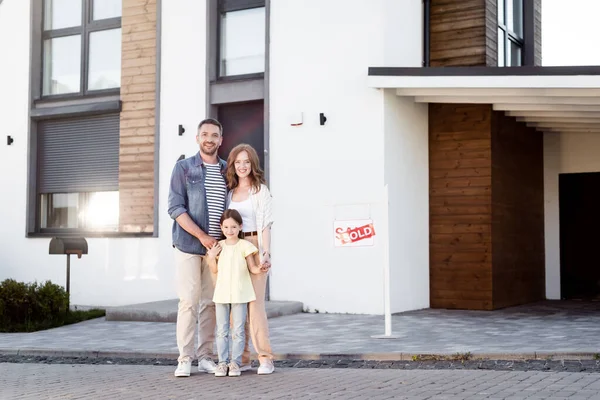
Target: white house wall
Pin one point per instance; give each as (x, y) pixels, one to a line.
(320, 52)
(407, 177)
(121, 270)
(14, 98)
(563, 153)
(319, 56)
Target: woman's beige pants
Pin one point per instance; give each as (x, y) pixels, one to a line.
(257, 326)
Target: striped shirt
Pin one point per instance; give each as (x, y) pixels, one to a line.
(216, 191)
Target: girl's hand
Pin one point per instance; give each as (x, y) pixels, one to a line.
(255, 269)
(214, 251)
(265, 266)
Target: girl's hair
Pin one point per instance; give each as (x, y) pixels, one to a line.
(256, 175)
(235, 215)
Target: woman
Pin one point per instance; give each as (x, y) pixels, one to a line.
(250, 196)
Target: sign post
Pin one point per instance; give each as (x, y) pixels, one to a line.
(387, 309)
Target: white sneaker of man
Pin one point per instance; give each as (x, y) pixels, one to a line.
(184, 368)
(266, 367)
(207, 365)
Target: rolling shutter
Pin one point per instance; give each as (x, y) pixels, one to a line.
(79, 154)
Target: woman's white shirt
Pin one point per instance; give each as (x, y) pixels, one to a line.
(262, 205)
(246, 210)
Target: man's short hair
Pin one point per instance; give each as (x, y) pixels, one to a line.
(211, 121)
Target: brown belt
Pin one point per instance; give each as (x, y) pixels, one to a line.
(254, 233)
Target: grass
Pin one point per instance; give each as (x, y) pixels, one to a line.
(72, 317)
(462, 357)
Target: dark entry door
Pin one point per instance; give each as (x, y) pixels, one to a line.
(579, 199)
(242, 123)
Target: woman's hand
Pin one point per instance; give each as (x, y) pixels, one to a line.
(266, 264)
(214, 251)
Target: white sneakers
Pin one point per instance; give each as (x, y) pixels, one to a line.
(207, 365)
(184, 368)
(234, 369)
(231, 369)
(266, 368)
(221, 369)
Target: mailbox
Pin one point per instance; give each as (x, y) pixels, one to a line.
(68, 246)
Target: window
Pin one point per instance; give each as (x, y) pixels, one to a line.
(241, 38)
(510, 33)
(78, 174)
(81, 46)
(90, 211)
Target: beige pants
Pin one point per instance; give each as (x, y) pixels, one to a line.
(195, 288)
(257, 326)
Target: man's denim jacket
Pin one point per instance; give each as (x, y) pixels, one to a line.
(188, 194)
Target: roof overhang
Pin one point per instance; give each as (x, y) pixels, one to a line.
(550, 99)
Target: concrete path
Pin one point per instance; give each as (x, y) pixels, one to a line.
(538, 330)
(42, 381)
(166, 311)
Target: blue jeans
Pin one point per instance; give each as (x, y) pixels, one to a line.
(237, 312)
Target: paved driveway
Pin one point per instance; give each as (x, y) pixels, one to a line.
(43, 381)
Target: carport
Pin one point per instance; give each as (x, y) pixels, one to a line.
(495, 157)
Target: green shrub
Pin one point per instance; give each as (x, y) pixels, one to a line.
(26, 307)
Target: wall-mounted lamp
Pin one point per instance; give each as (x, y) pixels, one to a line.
(181, 130)
(181, 157)
(9, 140)
(322, 119)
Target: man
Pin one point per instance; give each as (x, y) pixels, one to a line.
(196, 201)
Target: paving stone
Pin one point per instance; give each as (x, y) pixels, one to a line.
(449, 332)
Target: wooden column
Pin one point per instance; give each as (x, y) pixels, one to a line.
(485, 178)
(518, 259)
(138, 96)
(460, 204)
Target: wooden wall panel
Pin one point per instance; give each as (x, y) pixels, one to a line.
(458, 33)
(138, 96)
(517, 212)
(460, 206)
(491, 33)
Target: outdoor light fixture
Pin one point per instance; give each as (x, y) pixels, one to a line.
(181, 130)
(322, 119)
(9, 139)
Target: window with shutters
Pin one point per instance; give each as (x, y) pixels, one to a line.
(75, 87)
(78, 173)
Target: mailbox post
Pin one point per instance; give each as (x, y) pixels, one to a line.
(68, 246)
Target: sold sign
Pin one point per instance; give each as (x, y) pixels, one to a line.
(354, 233)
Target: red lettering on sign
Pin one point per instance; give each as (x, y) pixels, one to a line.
(352, 235)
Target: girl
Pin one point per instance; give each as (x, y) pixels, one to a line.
(233, 290)
(251, 197)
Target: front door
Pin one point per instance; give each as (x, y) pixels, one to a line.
(579, 199)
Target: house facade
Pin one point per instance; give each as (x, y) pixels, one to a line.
(430, 122)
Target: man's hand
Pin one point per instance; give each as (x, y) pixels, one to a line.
(207, 241)
(214, 251)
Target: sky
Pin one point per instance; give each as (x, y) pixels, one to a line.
(570, 32)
